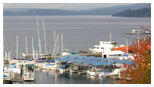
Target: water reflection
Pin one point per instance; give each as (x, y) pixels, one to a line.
(53, 77)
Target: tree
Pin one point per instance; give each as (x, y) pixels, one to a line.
(140, 71)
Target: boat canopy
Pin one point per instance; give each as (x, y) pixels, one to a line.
(30, 65)
(64, 67)
(4, 76)
(12, 66)
(95, 61)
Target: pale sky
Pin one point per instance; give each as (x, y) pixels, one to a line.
(61, 6)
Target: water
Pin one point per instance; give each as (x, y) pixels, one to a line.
(80, 33)
(53, 77)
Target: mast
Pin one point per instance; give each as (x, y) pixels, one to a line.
(54, 42)
(110, 36)
(6, 55)
(26, 45)
(61, 44)
(33, 51)
(57, 45)
(9, 55)
(45, 38)
(39, 41)
(5, 49)
(54, 49)
(17, 46)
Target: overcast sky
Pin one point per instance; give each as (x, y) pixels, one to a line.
(60, 6)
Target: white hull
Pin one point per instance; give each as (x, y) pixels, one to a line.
(28, 76)
(116, 72)
(63, 70)
(93, 73)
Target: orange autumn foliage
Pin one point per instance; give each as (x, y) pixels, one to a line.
(121, 48)
(140, 71)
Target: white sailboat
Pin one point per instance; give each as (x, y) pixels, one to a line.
(40, 54)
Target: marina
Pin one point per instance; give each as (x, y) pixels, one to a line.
(30, 64)
(72, 65)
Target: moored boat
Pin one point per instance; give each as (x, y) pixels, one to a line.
(28, 72)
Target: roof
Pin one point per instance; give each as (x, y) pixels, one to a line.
(95, 61)
(121, 48)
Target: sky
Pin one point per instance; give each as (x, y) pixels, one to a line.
(61, 5)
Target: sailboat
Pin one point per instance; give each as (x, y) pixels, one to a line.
(39, 55)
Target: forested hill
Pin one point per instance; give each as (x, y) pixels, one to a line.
(59, 11)
(144, 12)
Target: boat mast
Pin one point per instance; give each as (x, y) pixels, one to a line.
(12, 49)
(9, 55)
(110, 36)
(54, 41)
(17, 46)
(6, 50)
(54, 49)
(26, 45)
(33, 51)
(57, 45)
(61, 44)
(39, 41)
(5, 54)
(45, 38)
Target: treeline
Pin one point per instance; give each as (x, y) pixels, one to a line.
(144, 12)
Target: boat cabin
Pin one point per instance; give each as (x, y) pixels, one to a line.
(104, 46)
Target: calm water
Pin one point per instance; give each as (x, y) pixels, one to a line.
(80, 33)
(52, 77)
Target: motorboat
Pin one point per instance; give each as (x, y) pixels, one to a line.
(74, 68)
(107, 74)
(64, 68)
(95, 71)
(28, 72)
(135, 32)
(54, 66)
(7, 79)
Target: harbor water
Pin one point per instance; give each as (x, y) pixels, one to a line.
(80, 33)
(53, 77)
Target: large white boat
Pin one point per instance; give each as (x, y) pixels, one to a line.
(104, 46)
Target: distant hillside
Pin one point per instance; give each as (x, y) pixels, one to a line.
(115, 9)
(144, 12)
(40, 12)
(48, 12)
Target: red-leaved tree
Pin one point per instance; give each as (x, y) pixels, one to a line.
(140, 71)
